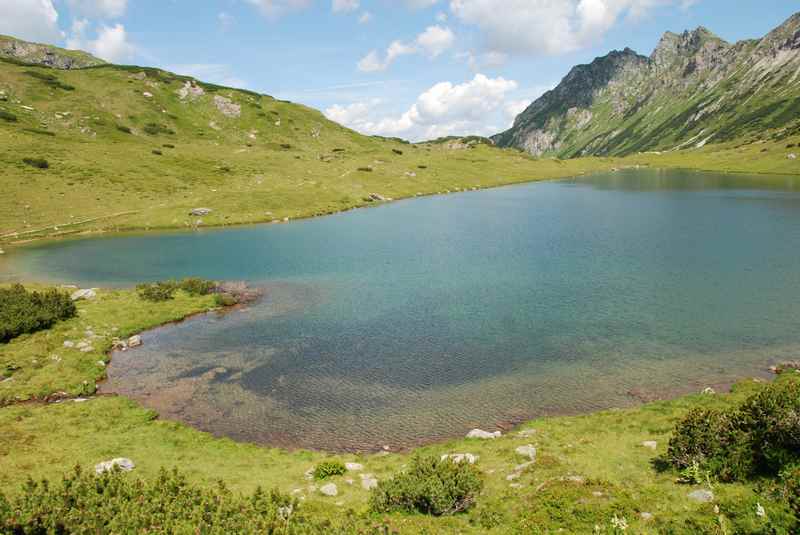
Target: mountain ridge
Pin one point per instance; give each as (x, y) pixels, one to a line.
(14, 49)
(694, 88)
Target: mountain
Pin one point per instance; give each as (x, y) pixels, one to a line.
(50, 56)
(694, 89)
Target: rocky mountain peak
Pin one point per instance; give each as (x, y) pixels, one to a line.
(674, 47)
(47, 55)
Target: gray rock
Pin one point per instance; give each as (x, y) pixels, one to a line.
(527, 451)
(368, 481)
(69, 343)
(227, 107)
(135, 341)
(650, 444)
(354, 467)
(88, 294)
(484, 435)
(126, 465)
(329, 490)
(460, 457)
(200, 212)
(792, 156)
(701, 496)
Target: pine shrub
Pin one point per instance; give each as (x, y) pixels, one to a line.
(23, 312)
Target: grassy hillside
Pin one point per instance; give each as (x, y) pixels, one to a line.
(125, 148)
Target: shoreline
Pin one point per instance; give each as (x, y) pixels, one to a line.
(11, 244)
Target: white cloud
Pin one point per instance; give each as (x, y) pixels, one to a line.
(111, 43)
(433, 42)
(109, 9)
(276, 8)
(444, 109)
(441, 16)
(436, 39)
(365, 18)
(421, 4)
(34, 20)
(344, 6)
(549, 27)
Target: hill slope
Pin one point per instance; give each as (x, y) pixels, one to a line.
(47, 55)
(694, 89)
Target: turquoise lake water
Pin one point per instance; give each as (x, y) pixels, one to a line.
(419, 320)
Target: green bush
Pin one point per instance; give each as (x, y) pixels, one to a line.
(117, 503)
(124, 129)
(328, 469)
(50, 80)
(39, 163)
(197, 286)
(790, 488)
(157, 152)
(760, 436)
(429, 486)
(24, 312)
(225, 300)
(397, 151)
(154, 129)
(365, 169)
(157, 292)
(7, 116)
(168, 146)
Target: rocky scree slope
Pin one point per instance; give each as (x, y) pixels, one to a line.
(694, 89)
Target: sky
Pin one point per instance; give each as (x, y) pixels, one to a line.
(416, 69)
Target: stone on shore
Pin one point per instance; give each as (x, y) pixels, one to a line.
(484, 435)
(527, 451)
(89, 293)
(200, 212)
(126, 465)
(135, 341)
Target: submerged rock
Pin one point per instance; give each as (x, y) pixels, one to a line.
(126, 465)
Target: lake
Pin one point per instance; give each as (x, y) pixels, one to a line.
(419, 320)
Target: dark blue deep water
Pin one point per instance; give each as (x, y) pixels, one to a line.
(419, 320)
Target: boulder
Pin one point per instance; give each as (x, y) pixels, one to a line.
(126, 465)
(701, 496)
(227, 107)
(69, 343)
(792, 156)
(460, 457)
(368, 481)
(354, 467)
(200, 212)
(484, 435)
(527, 451)
(135, 341)
(329, 490)
(87, 294)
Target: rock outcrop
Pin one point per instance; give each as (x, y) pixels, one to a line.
(694, 89)
(47, 55)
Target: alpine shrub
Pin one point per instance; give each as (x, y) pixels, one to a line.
(114, 502)
(328, 469)
(38, 163)
(197, 286)
(157, 292)
(430, 487)
(23, 312)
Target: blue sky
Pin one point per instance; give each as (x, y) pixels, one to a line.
(411, 68)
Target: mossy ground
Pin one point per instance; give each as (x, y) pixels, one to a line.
(588, 469)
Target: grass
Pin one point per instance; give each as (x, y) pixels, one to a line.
(44, 366)
(588, 468)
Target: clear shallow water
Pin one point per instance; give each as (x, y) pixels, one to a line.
(419, 320)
